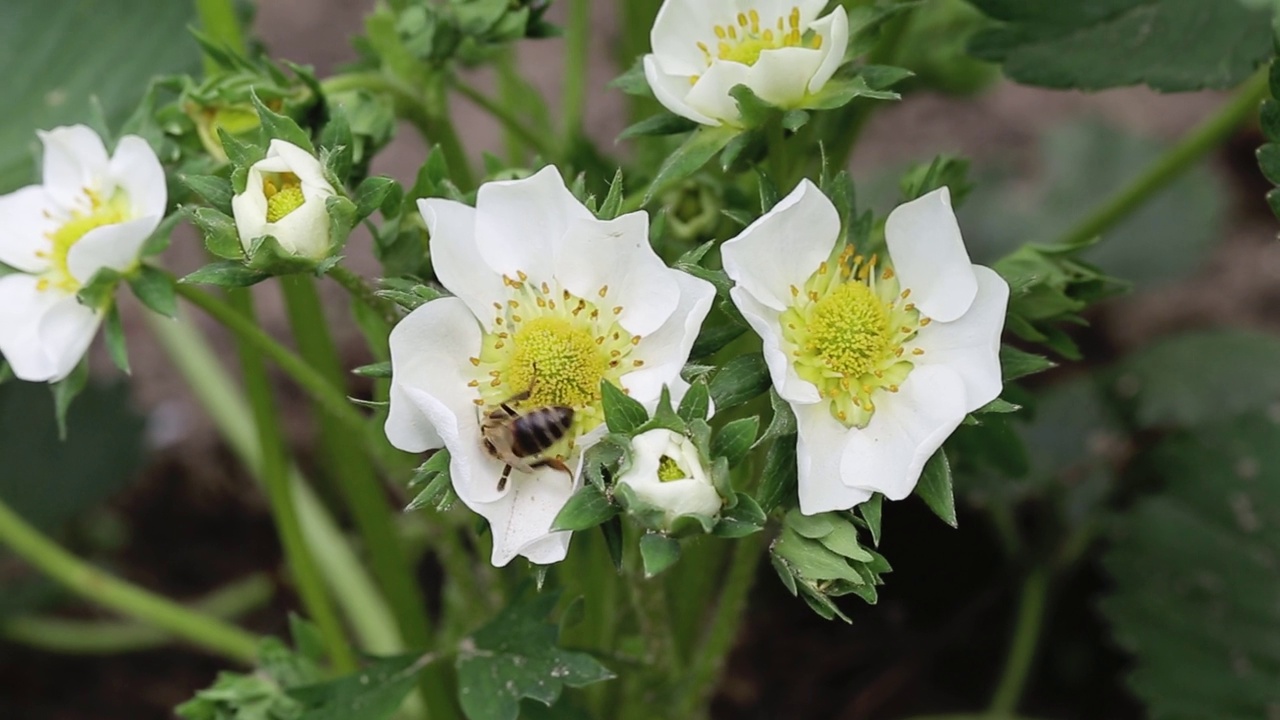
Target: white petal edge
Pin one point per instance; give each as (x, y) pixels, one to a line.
(771, 10)
(65, 332)
(305, 231)
(970, 345)
(820, 445)
(135, 168)
(521, 521)
(782, 76)
(520, 223)
(765, 321)
(615, 255)
(783, 247)
(906, 430)
(671, 89)
(834, 29)
(455, 255)
(678, 28)
(22, 307)
(22, 217)
(110, 246)
(929, 256)
(710, 94)
(74, 159)
(300, 163)
(666, 350)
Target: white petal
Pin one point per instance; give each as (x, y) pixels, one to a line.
(110, 246)
(680, 26)
(666, 350)
(305, 231)
(521, 521)
(929, 256)
(834, 30)
(74, 159)
(250, 210)
(820, 446)
(771, 10)
(971, 345)
(520, 223)
(671, 89)
(710, 94)
(615, 254)
(784, 247)
(22, 229)
(455, 255)
(22, 306)
(782, 76)
(300, 163)
(408, 427)
(65, 332)
(136, 169)
(765, 321)
(906, 430)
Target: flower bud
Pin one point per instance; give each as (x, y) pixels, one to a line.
(285, 198)
(667, 473)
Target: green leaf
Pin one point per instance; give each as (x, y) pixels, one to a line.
(744, 518)
(219, 231)
(241, 697)
(1194, 577)
(1172, 383)
(1015, 363)
(515, 656)
(375, 193)
(226, 273)
(375, 370)
(839, 92)
(735, 439)
(1169, 45)
(870, 512)
(113, 61)
(742, 379)
(658, 552)
(701, 146)
(611, 207)
(622, 413)
(586, 509)
(754, 112)
(661, 124)
(100, 291)
(935, 488)
(778, 481)
(783, 422)
(633, 81)
(696, 402)
(154, 288)
(282, 127)
(214, 190)
(373, 693)
(113, 333)
(434, 474)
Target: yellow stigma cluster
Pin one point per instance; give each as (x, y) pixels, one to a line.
(557, 347)
(284, 195)
(669, 470)
(100, 212)
(745, 41)
(849, 332)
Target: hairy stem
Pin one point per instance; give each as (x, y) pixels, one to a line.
(364, 293)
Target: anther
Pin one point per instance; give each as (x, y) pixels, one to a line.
(917, 351)
(893, 388)
(513, 303)
(720, 33)
(604, 290)
(516, 318)
(795, 291)
(475, 361)
(546, 289)
(496, 382)
(617, 310)
(887, 275)
(521, 275)
(474, 383)
(906, 293)
(637, 363)
(925, 321)
(635, 339)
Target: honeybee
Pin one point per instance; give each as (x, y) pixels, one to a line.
(517, 438)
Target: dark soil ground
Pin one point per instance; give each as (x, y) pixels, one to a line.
(934, 643)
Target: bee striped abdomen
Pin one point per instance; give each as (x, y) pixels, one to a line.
(539, 430)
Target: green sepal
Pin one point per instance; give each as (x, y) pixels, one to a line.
(735, 440)
(221, 237)
(782, 423)
(587, 508)
(225, 273)
(664, 417)
(745, 518)
(241, 154)
(611, 206)
(935, 488)
(100, 291)
(622, 413)
(281, 127)
(214, 190)
(665, 123)
(607, 459)
(337, 147)
(436, 482)
(380, 370)
(154, 288)
(113, 334)
(378, 193)
(657, 553)
(871, 511)
(839, 92)
(696, 402)
(342, 218)
(65, 391)
(267, 256)
(1015, 363)
(633, 81)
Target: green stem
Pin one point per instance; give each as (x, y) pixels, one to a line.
(130, 600)
(363, 293)
(311, 381)
(358, 482)
(97, 637)
(274, 457)
(343, 571)
(1177, 160)
(509, 121)
(576, 63)
(709, 659)
(1022, 647)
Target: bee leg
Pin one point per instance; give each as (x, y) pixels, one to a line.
(518, 398)
(502, 481)
(555, 464)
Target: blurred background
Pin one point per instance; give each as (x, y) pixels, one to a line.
(1152, 464)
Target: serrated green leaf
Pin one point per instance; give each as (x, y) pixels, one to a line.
(935, 488)
(658, 552)
(373, 693)
(742, 379)
(735, 440)
(697, 149)
(1169, 45)
(515, 656)
(587, 508)
(622, 414)
(375, 192)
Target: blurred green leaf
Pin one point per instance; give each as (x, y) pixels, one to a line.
(373, 693)
(1194, 567)
(58, 55)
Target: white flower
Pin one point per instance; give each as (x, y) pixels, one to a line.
(285, 198)
(91, 212)
(549, 301)
(704, 48)
(880, 358)
(666, 472)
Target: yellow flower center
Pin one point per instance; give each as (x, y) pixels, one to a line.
(284, 195)
(557, 347)
(101, 212)
(749, 38)
(849, 331)
(669, 469)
